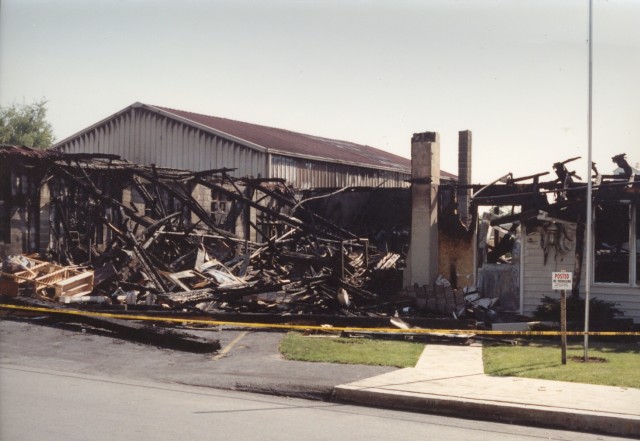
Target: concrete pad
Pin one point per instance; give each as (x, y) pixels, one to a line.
(449, 380)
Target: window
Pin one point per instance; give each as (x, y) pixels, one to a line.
(220, 207)
(617, 231)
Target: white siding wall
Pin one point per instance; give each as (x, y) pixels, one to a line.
(537, 280)
(537, 274)
(626, 298)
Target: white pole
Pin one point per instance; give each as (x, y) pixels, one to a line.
(589, 227)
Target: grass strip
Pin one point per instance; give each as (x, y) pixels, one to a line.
(295, 346)
(611, 364)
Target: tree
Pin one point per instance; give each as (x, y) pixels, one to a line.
(26, 125)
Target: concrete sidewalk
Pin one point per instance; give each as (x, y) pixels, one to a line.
(450, 380)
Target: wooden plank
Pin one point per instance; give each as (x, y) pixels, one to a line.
(81, 281)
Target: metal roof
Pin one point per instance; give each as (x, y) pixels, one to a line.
(288, 142)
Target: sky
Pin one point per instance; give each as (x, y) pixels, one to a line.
(514, 72)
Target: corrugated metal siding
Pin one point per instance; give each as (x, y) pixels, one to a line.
(147, 138)
(306, 174)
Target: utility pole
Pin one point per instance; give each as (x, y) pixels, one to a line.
(589, 227)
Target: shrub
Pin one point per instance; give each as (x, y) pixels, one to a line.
(600, 311)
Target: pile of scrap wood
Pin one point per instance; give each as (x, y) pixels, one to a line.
(149, 237)
(45, 279)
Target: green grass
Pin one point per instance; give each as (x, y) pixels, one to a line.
(295, 346)
(529, 359)
(539, 359)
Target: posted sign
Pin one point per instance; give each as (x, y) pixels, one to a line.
(561, 280)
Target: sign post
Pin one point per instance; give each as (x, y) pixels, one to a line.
(563, 325)
(562, 280)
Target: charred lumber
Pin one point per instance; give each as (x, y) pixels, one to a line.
(185, 197)
(97, 194)
(129, 330)
(344, 234)
(621, 161)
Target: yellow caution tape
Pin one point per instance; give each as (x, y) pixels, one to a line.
(314, 328)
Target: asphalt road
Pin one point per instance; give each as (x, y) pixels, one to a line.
(38, 404)
(252, 361)
(73, 382)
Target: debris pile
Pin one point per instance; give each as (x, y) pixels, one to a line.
(441, 298)
(106, 231)
(61, 283)
(149, 237)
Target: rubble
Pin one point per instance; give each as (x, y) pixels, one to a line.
(130, 235)
(123, 236)
(45, 278)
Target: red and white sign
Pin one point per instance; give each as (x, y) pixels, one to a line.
(561, 280)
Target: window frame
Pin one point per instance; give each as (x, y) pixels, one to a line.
(634, 236)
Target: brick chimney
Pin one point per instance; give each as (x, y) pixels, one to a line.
(464, 174)
(422, 260)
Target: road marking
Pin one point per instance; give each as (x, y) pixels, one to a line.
(230, 346)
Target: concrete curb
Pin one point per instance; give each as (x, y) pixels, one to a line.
(558, 418)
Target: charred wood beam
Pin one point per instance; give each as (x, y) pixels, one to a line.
(509, 196)
(92, 191)
(86, 156)
(258, 181)
(215, 171)
(342, 233)
(87, 177)
(149, 199)
(142, 255)
(212, 236)
(61, 218)
(287, 219)
(153, 335)
(151, 229)
(291, 221)
(621, 161)
(158, 196)
(518, 217)
(129, 330)
(227, 178)
(188, 201)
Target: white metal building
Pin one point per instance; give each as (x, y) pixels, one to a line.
(171, 138)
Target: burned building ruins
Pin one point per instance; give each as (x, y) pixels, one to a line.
(531, 226)
(144, 237)
(158, 208)
(226, 238)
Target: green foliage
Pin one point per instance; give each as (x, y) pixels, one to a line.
(613, 364)
(26, 125)
(295, 346)
(600, 311)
